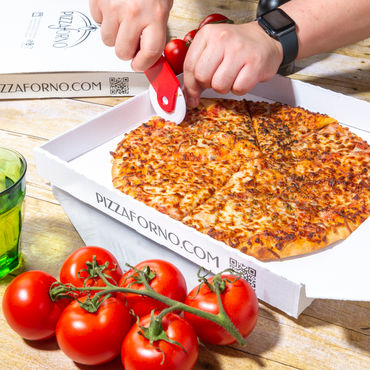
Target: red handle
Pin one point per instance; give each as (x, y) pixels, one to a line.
(164, 82)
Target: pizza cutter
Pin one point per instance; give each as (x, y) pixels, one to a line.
(165, 91)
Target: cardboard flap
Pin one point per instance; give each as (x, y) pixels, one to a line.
(53, 36)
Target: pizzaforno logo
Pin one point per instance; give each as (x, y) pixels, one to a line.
(73, 28)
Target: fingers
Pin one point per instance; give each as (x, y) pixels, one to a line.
(225, 75)
(127, 41)
(137, 28)
(229, 58)
(152, 43)
(108, 30)
(103, 14)
(244, 81)
(229, 76)
(192, 86)
(208, 65)
(95, 11)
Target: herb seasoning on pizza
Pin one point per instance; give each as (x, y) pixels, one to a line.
(271, 180)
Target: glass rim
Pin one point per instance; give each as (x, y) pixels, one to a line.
(9, 189)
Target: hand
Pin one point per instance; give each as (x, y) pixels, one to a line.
(137, 28)
(229, 57)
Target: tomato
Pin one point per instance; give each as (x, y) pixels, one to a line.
(189, 37)
(239, 301)
(138, 353)
(214, 18)
(76, 262)
(28, 308)
(93, 338)
(168, 281)
(175, 52)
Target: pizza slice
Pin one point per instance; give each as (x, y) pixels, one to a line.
(268, 211)
(335, 186)
(172, 187)
(224, 116)
(278, 126)
(248, 214)
(161, 139)
(142, 142)
(333, 138)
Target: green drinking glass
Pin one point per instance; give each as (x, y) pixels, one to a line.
(13, 168)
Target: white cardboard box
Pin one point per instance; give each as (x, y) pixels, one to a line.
(53, 48)
(127, 245)
(78, 162)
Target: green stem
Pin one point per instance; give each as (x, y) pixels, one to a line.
(221, 318)
(106, 281)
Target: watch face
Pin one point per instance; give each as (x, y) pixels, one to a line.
(278, 20)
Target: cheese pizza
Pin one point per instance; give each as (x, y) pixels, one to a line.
(271, 180)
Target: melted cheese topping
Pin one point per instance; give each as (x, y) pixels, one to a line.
(269, 179)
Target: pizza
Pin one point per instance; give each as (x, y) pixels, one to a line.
(268, 179)
(174, 168)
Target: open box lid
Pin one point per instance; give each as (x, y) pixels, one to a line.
(53, 36)
(338, 272)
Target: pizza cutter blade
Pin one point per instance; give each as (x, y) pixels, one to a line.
(165, 91)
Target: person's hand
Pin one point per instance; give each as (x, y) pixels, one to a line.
(137, 28)
(229, 57)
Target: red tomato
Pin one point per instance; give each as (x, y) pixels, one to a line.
(168, 281)
(240, 303)
(214, 18)
(93, 338)
(28, 308)
(77, 262)
(138, 353)
(175, 52)
(189, 37)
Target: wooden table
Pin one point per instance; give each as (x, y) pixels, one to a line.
(328, 335)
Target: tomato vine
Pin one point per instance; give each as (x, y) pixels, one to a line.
(91, 304)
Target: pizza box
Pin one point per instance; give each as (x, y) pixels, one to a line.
(53, 48)
(78, 165)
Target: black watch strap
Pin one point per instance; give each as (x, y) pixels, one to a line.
(289, 42)
(278, 25)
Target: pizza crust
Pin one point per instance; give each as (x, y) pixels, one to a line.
(301, 246)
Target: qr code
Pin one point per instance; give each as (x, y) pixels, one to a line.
(247, 273)
(119, 85)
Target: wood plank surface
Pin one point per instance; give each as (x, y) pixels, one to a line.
(329, 334)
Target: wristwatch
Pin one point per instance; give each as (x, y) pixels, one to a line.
(278, 25)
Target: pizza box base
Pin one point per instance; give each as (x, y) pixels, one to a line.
(78, 163)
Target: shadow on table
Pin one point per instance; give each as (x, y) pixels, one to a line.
(353, 318)
(116, 364)
(43, 345)
(263, 338)
(52, 345)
